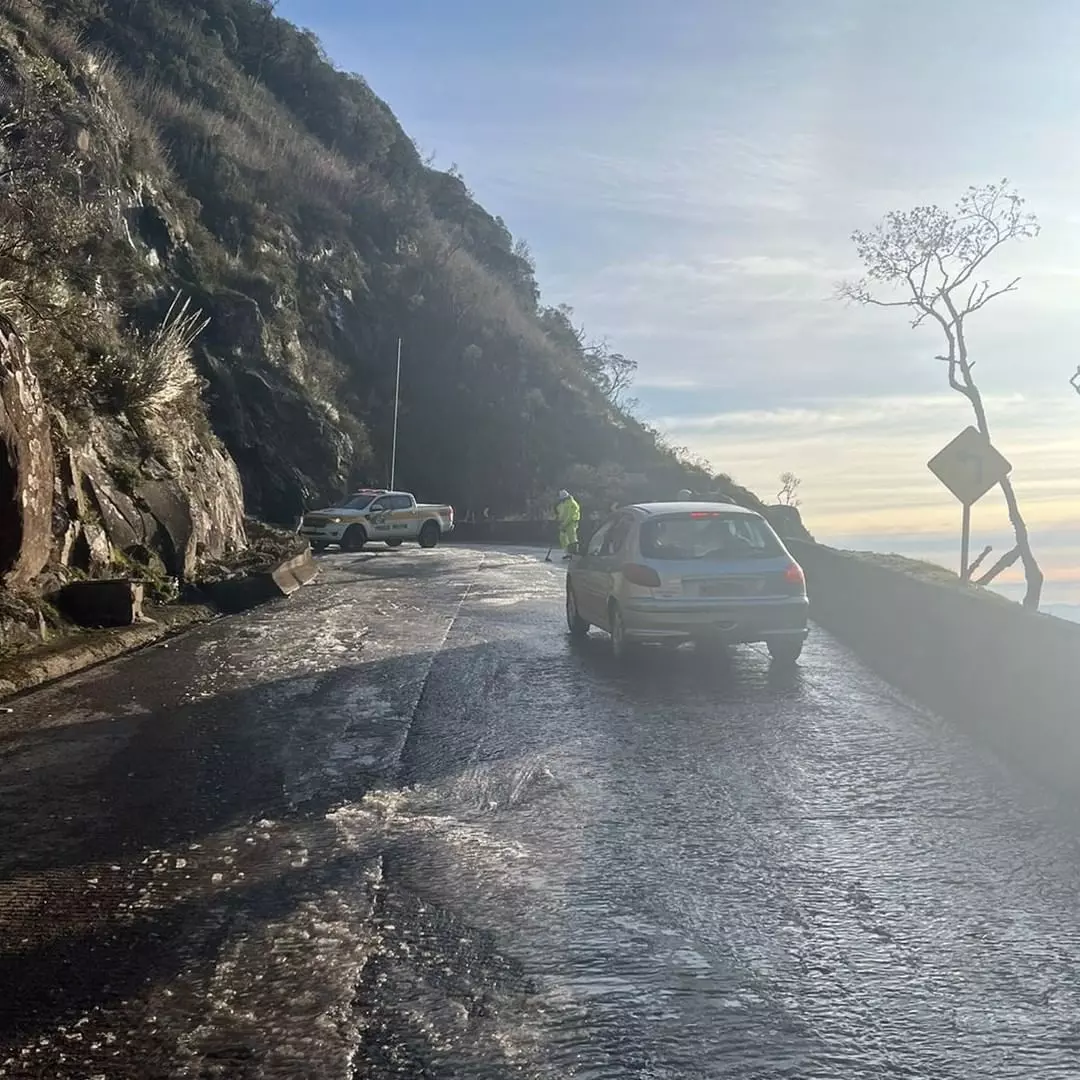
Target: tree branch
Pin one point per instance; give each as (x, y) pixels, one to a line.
(1003, 563)
(986, 297)
(979, 561)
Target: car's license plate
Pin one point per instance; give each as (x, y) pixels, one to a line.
(731, 587)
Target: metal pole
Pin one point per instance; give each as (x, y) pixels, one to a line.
(965, 542)
(397, 398)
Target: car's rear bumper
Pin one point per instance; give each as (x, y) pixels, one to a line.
(760, 620)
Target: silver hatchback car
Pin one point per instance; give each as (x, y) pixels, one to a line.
(683, 571)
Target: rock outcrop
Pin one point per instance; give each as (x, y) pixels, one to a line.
(168, 507)
(26, 466)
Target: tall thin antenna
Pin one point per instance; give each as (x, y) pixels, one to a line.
(397, 399)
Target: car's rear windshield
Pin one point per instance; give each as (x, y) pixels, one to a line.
(712, 536)
(358, 502)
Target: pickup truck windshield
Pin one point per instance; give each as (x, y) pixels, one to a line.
(359, 502)
(708, 536)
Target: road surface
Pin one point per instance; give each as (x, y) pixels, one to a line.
(402, 826)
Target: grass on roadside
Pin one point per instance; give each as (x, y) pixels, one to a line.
(925, 571)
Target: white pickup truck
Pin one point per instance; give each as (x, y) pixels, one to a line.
(375, 514)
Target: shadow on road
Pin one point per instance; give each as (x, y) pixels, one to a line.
(656, 672)
(112, 790)
(109, 789)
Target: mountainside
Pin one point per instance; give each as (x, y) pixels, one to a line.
(210, 243)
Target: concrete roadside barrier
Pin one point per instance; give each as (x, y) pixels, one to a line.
(108, 602)
(234, 595)
(1003, 673)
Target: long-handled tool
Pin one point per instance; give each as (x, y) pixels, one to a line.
(547, 557)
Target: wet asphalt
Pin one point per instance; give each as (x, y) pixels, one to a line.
(401, 825)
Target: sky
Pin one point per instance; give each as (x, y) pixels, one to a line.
(688, 173)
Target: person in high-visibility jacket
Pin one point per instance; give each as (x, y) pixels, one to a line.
(568, 514)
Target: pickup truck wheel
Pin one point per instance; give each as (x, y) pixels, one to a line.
(393, 543)
(354, 539)
(429, 534)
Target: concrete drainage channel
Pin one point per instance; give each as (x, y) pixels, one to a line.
(116, 607)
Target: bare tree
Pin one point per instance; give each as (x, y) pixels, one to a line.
(788, 493)
(1074, 382)
(610, 370)
(935, 259)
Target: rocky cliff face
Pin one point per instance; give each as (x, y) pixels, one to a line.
(94, 496)
(26, 466)
(106, 455)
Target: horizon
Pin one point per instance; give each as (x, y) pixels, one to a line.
(699, 223)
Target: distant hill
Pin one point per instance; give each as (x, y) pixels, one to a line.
(162, 153)
(314, 234)
(1063, 611)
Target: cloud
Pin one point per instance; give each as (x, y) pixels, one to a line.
(821, 420)
(865, 480)
(666, 382)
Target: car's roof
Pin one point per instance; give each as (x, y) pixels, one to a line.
(691, 507)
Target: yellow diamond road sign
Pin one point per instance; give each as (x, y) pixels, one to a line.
(969, 466)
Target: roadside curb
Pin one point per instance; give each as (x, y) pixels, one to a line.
(33, 669)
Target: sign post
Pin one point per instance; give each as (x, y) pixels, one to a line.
(965, 542)
(397, 401)
(969, 467)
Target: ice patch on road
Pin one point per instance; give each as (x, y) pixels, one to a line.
(280, 999)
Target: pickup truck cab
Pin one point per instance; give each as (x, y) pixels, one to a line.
(392, 517)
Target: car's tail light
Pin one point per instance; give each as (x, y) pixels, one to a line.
(794, 577)
(645, 576)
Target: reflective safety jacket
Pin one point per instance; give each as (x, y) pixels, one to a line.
(568, 513)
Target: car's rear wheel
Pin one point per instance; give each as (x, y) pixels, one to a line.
(785, 650)
(620, 643)
(319, 545)
(577, 626)
(393, 543)
(429, 534)
(354, 539)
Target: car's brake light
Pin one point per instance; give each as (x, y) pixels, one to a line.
(705, 513)
(645, 576)
(793, 575)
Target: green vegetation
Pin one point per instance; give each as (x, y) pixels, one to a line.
(207, 149)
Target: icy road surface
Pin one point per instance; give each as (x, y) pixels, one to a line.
(401, 826)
